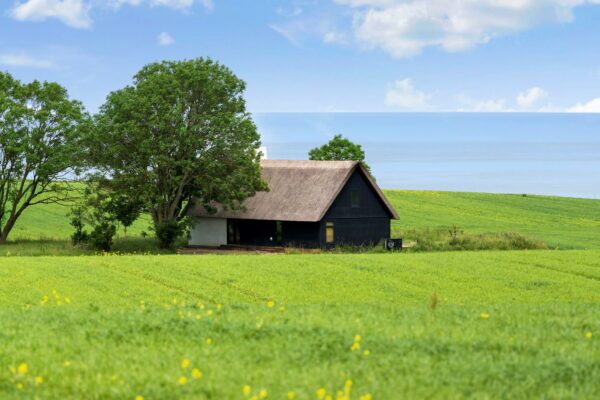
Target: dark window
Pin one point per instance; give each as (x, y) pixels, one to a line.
(354, 199)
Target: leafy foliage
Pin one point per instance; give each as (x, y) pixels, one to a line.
(97, 209)
(101, 237)
(455, 239)
(39, 145)
(180, 131)
(80, 235)
(339, 148)
(125, 209)
(167, 233)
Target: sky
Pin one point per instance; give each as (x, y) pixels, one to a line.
(323, 56)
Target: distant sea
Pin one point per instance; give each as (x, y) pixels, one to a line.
(541, 153)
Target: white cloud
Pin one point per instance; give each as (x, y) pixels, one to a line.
(74, 13)
(468, 104)
(164, 39)
(293, 12)
(592, 106)
(402, 94)
(403, 28)
(23, 60)
(334, 37)
(529, 98)
(176, 4)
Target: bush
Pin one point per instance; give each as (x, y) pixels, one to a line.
(80, 235)
(167, 233)
(455, 239)
(102, 236)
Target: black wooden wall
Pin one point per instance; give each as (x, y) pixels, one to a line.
(366, 223)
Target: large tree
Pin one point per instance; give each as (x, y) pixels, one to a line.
(339, 148)
(179, 132)
(39, 135)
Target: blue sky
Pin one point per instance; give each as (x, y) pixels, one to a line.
(328, 55)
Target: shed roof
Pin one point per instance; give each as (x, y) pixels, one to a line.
(300, 190)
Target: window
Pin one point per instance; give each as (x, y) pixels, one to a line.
(329, 236)
(354, 199)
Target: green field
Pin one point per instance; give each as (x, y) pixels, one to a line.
(566, 223)
(506, 325)
(559, 221)
(485, 324)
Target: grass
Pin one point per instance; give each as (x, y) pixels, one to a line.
(486, 324)
(503, 325)
(562, 222)
(486, 221)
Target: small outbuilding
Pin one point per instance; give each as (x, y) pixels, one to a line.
(310, 204)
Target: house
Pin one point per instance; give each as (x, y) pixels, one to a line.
(310, 204)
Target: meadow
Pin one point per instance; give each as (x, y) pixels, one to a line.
(439, 325)
(425, 216)
(480, 324)
(560, 222)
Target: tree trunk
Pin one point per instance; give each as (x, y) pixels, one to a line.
(7, 228)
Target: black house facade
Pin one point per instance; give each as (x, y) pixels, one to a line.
(310, 204)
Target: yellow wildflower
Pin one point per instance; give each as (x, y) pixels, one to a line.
(196, 373)
(138, 397)
(209, 341)
(22, 369)
(19, 386)
(174, 300)
(366, 353)
(67, 300)
(270, 304)
(321, 393)
(201, 306)
(291, 395)
(246, 390)
(209, 312)
(66, 363)
(182, 380)
(357, 338)
(484, 315)
(328, 397)
(281, 309)
(588, 335)
(355, 346)
(262, 394)
(39, 380)
(366, 397)
(198, 317)
(185, 363)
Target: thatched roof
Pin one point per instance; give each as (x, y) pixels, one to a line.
(299, 191)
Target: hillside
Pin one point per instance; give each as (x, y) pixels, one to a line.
(559, 221)
(438, 325)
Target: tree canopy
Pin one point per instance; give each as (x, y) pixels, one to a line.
(39, 145)
(179, 132)
(339, 148)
